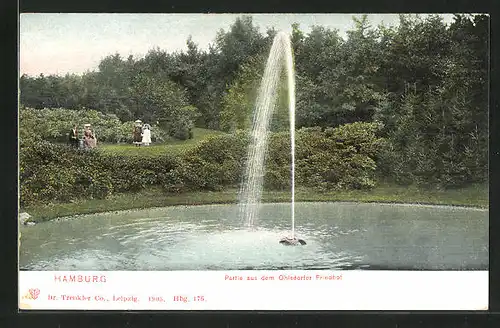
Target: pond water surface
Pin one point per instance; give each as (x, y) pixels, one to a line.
(364, 236)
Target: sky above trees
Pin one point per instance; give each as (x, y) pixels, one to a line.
(75, 43)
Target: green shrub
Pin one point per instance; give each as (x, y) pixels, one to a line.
(215, 163)
(341, 158)
(56, 172)
(278, 162)
(52, 172)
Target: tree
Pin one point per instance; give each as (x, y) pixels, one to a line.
(338, 79)
(415, 54)
(164, 101)
(232, 49)
(354, 92)
(239, 101)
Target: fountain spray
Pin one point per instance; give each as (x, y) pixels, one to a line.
(251, 190)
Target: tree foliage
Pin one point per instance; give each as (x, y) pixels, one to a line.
(424, 82)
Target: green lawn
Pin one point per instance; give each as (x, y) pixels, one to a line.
(476, 195)
(174, 146)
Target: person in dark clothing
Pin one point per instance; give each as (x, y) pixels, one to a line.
(73, 136)
(137, 135)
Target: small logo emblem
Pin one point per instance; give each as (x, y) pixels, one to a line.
(34, 292)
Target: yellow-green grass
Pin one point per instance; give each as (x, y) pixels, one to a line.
(168, 147)
(475, 195)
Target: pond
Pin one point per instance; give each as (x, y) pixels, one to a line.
(363, 236)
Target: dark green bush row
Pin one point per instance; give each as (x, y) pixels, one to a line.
(53, 172)
(56, 172)
(215, 163)
(340, 158)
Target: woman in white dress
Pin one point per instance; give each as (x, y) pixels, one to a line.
(146, 135)
(89, 139)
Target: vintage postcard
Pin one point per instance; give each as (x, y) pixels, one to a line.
(253, 161)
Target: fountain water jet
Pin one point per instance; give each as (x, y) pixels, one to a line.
(251, 190)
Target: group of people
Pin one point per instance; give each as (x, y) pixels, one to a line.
(141, 136)
(89, 138)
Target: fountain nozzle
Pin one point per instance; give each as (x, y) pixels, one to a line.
(288, 241)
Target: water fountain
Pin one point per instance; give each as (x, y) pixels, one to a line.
(251, 190)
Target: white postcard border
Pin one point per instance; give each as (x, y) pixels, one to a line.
(271, 290)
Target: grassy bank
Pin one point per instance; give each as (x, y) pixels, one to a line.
(476, 196)
(169, 147)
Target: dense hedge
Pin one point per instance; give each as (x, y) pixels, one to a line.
(53, 172)
(56, 172)
(217, 162)
(340, 158)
